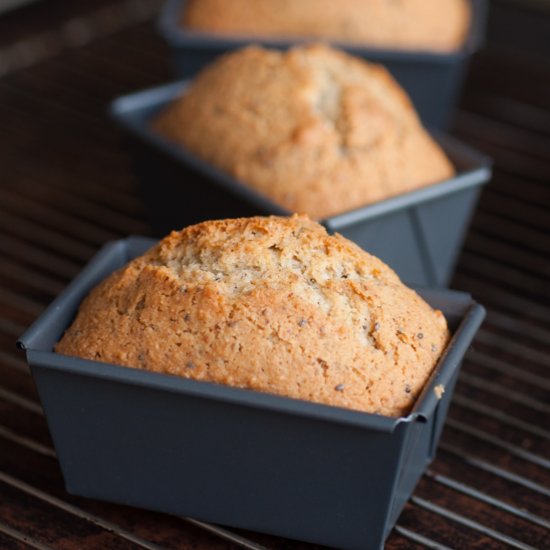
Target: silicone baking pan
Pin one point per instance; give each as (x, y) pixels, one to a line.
(419, 234)
(432, 80)
(236, 457)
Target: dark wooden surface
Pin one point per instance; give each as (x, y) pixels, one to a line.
(66, 187)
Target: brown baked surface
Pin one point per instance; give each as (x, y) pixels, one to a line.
(272, 304)
(432, 25)
(316, 130)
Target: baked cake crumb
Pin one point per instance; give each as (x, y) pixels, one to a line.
(271, 304)
(431, 25)
(314, 129)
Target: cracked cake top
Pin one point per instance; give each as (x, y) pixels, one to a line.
(268, 303)
(314, 129)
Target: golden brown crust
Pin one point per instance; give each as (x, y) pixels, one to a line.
(431, 25)
(316, 130)
(271, 304)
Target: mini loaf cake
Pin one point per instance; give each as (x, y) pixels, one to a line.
(434, 25)
(314, 129)
(272, 304)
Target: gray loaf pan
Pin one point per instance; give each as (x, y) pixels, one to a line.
(231, 456)
(433, 81)
(419, 234)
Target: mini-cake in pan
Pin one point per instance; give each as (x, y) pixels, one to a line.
(286, 466)
(312, 130)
